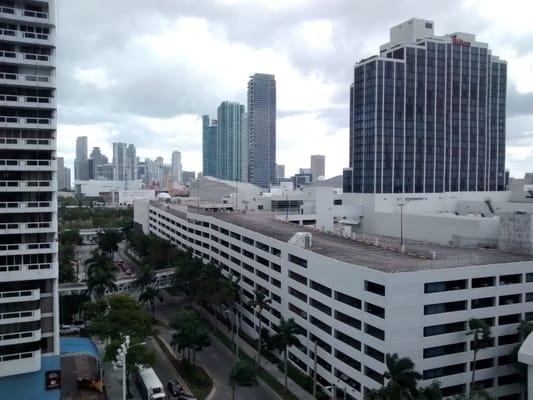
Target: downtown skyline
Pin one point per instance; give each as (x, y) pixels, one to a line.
(140, 105)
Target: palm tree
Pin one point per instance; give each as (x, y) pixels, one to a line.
(108, 241)
(260, 302)
(402, 380)
(481, 339)
(148, 296)
(284, 338)
(242, 374)
(101, 275)
(431, 392)
(144, 277)
(190, 334)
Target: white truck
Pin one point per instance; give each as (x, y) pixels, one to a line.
(149, 385)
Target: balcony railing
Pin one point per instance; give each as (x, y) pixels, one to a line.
(25, 120)
(24, 184)
(19, 295)
(18, 205)
(26, 142)
(13, 55)
(26, 267)
(18, 356)
(20, 335)
(31, 100)
(25, 163)
(8, 316)
(25, 77)
(9, 227)
(27, 246)
(23, 13)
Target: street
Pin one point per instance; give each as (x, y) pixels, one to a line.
(216, 358)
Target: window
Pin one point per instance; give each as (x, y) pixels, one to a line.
(247, 240)
(375, 310)
(351, 321)
(350, 341)
(373, 331)
(248, 254)
(275, 267)
(320, 343)
(529, 297)
(275, 298)
(445, 286)
(374, 353)
(322, 325)
(248, 268)
(529, 277)
(376, 376)
(484, 383)
(337, 202)
(508, 379)
(444, 371)
(297, 277)
(297, 311)
(509, 319)
(482, 364)
(510, 299)
(444, 307)
(508, 339)
(375, 288)
(298, 260)
(449, 391)
(483, 302)
(262, 261)
(276, 252)
(298, 294)
(261, 275)
(483, 282)
(346, 299)
(321, 288)
(262, 246)
(348, 360)
(275, 282)
(442, 329)
(444, 350)
(510, 279)
(320, 306)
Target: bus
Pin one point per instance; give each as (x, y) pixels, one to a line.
(149, 384)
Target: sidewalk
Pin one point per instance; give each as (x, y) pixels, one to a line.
(272, 369)
(113, 379)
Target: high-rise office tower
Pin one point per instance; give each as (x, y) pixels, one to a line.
(427, 115)
(81, 163)
(176, 167)
(244, 147)
(98, 160)
(29, 326)
(209, 146)
(280, 172)
(229, 149)
(61, 174)
(124, 162)
(318, 166)
(262, 129)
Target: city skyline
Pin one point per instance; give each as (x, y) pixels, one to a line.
(312, 80)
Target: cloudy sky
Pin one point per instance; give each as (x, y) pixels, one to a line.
(144, 71)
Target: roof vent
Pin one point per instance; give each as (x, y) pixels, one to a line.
(302, 239)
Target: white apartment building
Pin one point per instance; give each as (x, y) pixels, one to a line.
(359, 301)
(29, 326)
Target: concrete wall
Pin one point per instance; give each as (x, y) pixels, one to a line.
(515, 233)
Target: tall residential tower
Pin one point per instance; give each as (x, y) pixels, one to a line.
(262, 129)
(229, 139)
(209, 146)
(428, 115)
(29, 309)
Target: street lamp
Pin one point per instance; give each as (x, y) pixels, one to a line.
(120, 360)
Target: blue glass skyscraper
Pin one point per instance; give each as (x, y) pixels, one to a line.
(427, 115)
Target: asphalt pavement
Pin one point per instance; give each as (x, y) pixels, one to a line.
(217, 359)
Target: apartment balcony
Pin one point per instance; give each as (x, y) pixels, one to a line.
(17, 296)
(27, 227)
(27, 101)
(20, 338)
(27, 122)
(16, 207)
(27, 165)
(19, 316)
(27, 80)
(26, 37)
(27, 248)
(20, 363)
(18, 14)
(24, 272)
(27, 144)
(17, 58)
(28, 186)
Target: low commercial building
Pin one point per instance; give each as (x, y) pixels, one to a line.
(357, 301)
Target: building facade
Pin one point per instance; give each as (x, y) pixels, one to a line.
(209, 146)
(229, 141)
(124, 162)
(427, 115)
(280, 172)
(98, 160)
(318, 166)
(29, 307)
(355, 302)
(262, 129)
(63, 175)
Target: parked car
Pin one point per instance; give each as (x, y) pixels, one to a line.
(174, 388)
(68, 329)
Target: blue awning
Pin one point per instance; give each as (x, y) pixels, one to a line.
(76, 345)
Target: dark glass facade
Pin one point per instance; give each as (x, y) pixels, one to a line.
(428, 118)
(209, 146)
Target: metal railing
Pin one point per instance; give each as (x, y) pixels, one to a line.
(27, 246)
(25, 120)
(26, 99)
(22, 184)
(24, 204)
(23, 141)
(18, 314)
(23, 13)
(15, 294)
(25, 163)
(25, 77)
(18, 356)
(25, 225)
